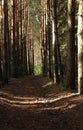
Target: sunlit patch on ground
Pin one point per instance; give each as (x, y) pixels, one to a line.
(27, 102)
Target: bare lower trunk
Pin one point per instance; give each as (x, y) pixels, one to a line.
(71, 45)
(80, 47)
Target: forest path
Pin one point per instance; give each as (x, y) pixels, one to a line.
(31, 103)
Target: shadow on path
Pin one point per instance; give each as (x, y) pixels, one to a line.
(29, 104)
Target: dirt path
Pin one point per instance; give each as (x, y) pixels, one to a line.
(30, 103)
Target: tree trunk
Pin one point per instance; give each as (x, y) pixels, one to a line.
(21, 38)
(25, 57)
(56, 47)
(49, 39)
(80, 47)
(44, 46)
(0, 64)
(14, 40)
(6, 69)
(71, 45)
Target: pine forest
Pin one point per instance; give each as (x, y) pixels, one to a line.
(41, 65)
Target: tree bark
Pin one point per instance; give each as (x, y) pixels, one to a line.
(49, 39)
(0, 64)
(56, 47)
(14, 40)
(71, 45)
(6, 68)
(80, 47)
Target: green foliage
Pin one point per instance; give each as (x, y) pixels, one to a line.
(38, 69)
(49, 84)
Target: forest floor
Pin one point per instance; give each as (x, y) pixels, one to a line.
(31, 103)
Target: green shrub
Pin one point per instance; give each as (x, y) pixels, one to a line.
(38, 69)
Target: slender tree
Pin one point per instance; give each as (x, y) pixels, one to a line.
(14, 40)
(0, 64)
(6, 30)
(44, 45)
(57, 58)
(49, 38)
(21, 34)
(1, 43)
(80, 47)
(71, 45)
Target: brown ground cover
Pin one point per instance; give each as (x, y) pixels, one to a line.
(30, 103)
